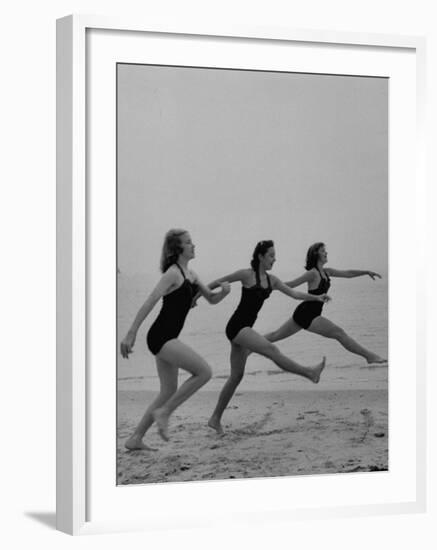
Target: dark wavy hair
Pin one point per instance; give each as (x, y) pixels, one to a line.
(172, 248)
(260, 248)
(313, 255)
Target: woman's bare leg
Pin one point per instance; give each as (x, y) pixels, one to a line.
(177, 353)
(168, 376)
(289, 328)
(284, 331)
(250, 339)
(238, 363)
(325, 327)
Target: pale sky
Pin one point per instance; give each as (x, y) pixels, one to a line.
(240, 156)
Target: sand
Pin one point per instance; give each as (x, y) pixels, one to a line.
(274, 433)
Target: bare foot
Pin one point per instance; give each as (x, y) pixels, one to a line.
(161, 419)
(215, 425)
(135, 444)
(317, 371)
(375, 359)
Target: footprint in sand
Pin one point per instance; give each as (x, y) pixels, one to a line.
(276, 404)
(368, 416)
(369, 421)
(254, 428)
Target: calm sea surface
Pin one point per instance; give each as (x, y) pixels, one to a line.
(359, 306)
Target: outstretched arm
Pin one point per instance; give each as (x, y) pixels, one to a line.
(231, 278)
(351, 273)
(209, 295)
(277, 284)
(305, 278)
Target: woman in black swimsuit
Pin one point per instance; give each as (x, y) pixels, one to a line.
(308, 315)
(177, 287)
(257, 286)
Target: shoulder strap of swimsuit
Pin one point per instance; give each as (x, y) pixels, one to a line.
(257, 279)
(181, 270)
(268, 281)
(320, 273)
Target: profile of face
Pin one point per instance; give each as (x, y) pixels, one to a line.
(323, 254)
(268, 259)
(188, 247)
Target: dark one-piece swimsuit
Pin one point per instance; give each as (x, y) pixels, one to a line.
(307, 311)
(251, 302)
(171, 318)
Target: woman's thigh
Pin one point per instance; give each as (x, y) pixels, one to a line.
(168, 375)
(287, 329)
(324, 327)
(250, 339)
(182, 356)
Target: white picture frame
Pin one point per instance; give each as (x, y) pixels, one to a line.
(74, 464)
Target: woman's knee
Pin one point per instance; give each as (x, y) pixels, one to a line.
(337, 334)
(205, 373)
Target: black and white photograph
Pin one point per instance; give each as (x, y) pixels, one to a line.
(220, 217)
(252, 267)
(252, 254)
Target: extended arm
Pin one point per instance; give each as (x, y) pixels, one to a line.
(305, 278)
(209, 295)
(351, 273)
(277, 284)
(231, 278)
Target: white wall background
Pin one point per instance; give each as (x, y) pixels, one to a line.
(27, 217)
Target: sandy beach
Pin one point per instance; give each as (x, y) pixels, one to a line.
(267, 433)
(277, 424)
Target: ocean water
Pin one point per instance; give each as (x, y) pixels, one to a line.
(359, 306)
